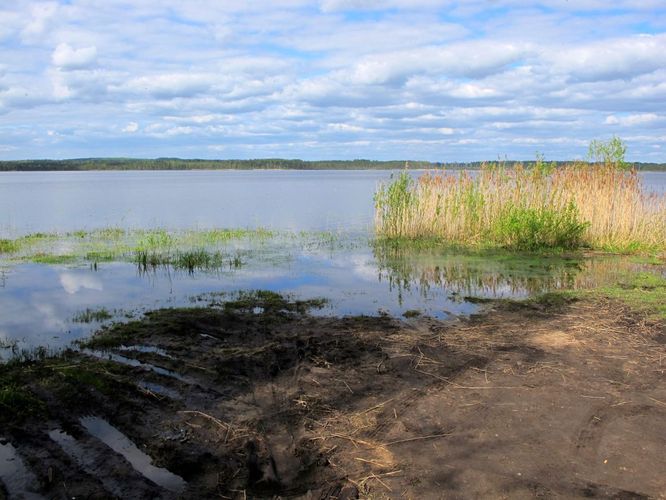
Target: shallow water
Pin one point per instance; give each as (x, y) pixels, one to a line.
(14, 475)
(39, 302)
(121, 444)
(135, 363)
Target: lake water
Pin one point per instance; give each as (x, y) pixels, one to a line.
(39, 302)
(281, 199)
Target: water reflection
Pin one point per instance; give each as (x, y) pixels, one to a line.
(408, 269)
(426, 270)
(39, 303)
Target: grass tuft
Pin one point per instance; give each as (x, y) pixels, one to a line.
(92, 315)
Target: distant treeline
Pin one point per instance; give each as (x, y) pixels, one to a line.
(268, 163)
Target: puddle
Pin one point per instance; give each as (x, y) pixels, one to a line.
(111, 356)
(159, 389)
(91, 460)
(147, 349)
(119, 443)
(15, 476)
(206, 336)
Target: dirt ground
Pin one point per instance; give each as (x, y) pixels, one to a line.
(260, 399)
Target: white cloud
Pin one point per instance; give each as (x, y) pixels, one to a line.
(632, 120)
(166, 86)
(611, 59)
(40, 16)
(333, 78)
(68, 58)
(131, 127)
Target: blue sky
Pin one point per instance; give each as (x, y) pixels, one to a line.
(437, 80)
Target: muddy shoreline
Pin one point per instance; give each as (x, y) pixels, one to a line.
(257, 398)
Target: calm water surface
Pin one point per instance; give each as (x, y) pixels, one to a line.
(280, 199)
(38, 302)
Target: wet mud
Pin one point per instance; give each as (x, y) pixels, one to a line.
(259, 399)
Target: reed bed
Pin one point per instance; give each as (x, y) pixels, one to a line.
(592, 205)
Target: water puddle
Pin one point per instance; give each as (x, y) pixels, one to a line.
(91, 460)
(206, 336)
(15, 476)
(146, 349)
(159, 389)
(121, 444)
(135, 363)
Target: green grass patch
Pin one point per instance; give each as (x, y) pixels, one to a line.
(92, 315)
(43, 258)
(101, 256)
(200, 259)
(9, 246)
(643, 291)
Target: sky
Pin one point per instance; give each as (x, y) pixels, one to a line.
(436, 80)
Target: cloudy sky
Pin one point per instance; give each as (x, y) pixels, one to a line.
(439, 80)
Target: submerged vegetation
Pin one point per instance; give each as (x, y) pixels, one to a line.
(597, 205)
(92, 316)
(189, 250)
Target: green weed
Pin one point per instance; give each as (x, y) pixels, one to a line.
(92, 315)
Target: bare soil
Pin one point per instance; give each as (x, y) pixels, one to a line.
(527, 400)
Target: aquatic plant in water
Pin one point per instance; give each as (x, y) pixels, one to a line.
(600, 205)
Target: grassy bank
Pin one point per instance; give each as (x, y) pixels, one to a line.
(598, 206)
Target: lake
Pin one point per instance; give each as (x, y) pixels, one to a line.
(46, 304)
(339, 200)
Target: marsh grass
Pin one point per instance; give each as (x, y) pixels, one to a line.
(598, 206)
(8, 246)
(92, 316)
(200, 259)
(44, 258)
(151, 248)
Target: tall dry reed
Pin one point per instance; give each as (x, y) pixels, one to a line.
(596, 205)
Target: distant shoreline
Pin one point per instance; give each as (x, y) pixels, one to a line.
(120, 164)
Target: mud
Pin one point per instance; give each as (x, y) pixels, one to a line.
(527, 400)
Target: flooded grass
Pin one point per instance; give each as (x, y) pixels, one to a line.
(192, 250)
(92, 315)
